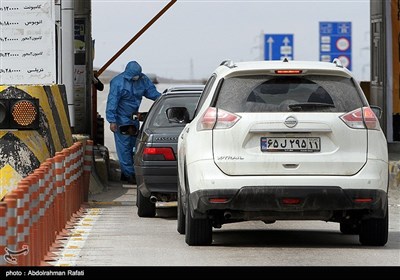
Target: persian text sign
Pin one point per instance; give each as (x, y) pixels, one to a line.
(27, 42)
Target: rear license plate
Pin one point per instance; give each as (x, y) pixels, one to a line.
(290, 144)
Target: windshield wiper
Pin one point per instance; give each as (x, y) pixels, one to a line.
(310, 105)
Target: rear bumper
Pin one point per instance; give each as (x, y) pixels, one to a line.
(156, 179)
(257, 202)
(204, 174)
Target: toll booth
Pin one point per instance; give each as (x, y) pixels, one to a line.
(36, 96)
(83, 67)
(385, 64)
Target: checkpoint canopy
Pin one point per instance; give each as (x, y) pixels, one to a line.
(278, 46)
(335, 42)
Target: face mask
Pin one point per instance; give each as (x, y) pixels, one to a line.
(135, 78)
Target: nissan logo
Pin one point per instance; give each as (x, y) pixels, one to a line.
(291, 122)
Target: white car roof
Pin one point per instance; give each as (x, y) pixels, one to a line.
(308, 67)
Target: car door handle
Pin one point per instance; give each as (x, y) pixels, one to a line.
(291, 165)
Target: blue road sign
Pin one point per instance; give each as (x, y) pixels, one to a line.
(335, 42)
(278, 46)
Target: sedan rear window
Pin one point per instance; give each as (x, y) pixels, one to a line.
(160, 115)
(314, 93)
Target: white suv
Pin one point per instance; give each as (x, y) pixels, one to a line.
(283, 140)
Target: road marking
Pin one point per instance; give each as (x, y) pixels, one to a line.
(77, 239)
(112, 203)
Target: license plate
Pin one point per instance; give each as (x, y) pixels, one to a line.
(290, 144)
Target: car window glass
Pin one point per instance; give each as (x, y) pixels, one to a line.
(145, 124)
(206, 92)
(315, 93)
(160, 115)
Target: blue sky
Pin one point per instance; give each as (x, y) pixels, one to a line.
(193, 37)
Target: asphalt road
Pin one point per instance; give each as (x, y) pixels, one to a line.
(113, 235)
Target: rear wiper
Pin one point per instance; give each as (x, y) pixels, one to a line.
(310, 105)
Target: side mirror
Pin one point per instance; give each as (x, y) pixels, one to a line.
(178, 115)
(140, 116)
(377, 110)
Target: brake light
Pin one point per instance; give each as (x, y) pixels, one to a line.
(288, 72)
(218, 200)
(208, 119)
(291, 201)
(363, 200)
(370, 119)
(361, 118)
(218, 119)
(158, 154)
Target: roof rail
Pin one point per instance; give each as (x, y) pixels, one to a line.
(337, 62)
(228, 63)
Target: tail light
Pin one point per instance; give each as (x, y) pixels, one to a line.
(291, 200)
(363, 200)
(217, 119)
(288, 72)
(218, 200)
(370, 119)
(158, 154)
(19, 113)
(361, 118)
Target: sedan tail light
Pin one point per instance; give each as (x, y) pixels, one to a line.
(158, 154)
(218, 119)
(361, 118)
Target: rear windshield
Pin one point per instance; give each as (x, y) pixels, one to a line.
(160, 116)
(288, 93)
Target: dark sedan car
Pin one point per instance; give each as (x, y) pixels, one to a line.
(156, 145)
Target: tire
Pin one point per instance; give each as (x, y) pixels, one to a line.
(350, 228)
(374, 232)
(198, 231)
(181, 214)
(145, 207)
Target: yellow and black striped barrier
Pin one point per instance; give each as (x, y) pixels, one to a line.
(23, 150)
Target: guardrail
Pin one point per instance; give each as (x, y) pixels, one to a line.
(37, 211)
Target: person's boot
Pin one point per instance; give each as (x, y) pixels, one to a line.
(132, 180)
(124, 178)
